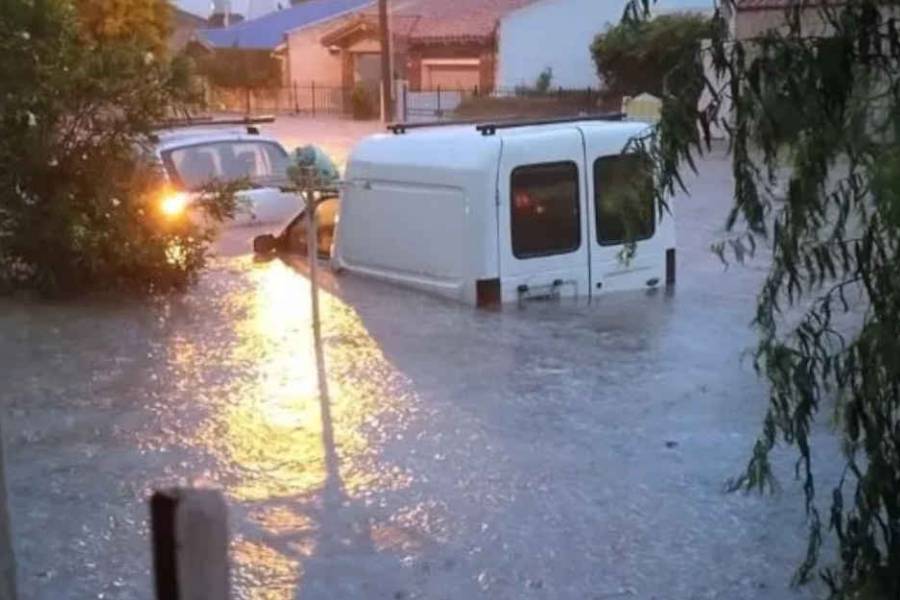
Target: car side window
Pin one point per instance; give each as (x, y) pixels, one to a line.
(545, 216)
(623, 199)
(197, 165)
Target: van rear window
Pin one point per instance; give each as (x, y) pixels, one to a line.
(545, 216)
(623, 194)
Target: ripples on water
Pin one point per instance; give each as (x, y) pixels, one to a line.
(266, 425)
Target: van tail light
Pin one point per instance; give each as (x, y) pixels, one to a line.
(670, 266)
(487, 293)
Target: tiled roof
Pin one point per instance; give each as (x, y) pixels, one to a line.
(183, 17)
(268, 31)
(459, 19)
(426, 21)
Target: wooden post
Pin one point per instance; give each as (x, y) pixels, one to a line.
(7, 558)
(438, 113)
(296, 99)
(384, 30)
(312, 94)
(190, 545)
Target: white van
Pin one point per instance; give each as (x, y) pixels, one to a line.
(502, 212)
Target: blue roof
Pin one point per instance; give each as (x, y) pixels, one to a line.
(268, 31)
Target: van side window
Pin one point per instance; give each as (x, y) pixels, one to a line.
(623, 181)
(545, 215)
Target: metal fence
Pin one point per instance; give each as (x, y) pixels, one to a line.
(308, 98)
(445, 103)
(313, 99)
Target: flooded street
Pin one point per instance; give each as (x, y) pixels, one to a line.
(418, 449)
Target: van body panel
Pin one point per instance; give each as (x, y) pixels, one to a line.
(611, 270)
(432, 205)
(557, 272)
(422, 241)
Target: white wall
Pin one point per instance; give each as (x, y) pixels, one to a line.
(558, 34)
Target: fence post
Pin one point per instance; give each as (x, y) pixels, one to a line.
(190, 545)
(7, 559)
(247, 101)
(312, 88)
(296, 98)
(405, 102)
(439, 112)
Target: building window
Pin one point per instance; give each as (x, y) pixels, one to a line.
(545, 216)
(620, 182)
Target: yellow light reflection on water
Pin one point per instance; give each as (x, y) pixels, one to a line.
(260, 564)
(271, 427)
(253, 372)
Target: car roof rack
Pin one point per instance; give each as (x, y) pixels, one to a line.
(205, 121)
(491, 127)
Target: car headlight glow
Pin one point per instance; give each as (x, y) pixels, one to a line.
(174, 205)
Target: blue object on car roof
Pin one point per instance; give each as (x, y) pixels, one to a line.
(267, 31)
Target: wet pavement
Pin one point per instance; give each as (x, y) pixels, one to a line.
(416, 449)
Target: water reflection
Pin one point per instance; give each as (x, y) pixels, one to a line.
(258, 563)
(269, 425)
(292, 444)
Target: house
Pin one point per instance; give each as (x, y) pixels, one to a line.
(435, 43)
(557, 35)
(184, 27)
(461, 44)
(333, 46)
(750, 19)
(268, 31)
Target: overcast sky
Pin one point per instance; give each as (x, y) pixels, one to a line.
(256, 7)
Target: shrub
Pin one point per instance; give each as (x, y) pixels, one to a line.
(362, 103)
(635, 56)
(544, 81)
(78, 193)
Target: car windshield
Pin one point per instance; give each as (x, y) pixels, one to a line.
(261, 163)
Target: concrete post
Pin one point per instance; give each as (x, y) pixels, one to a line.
(7, 559)
(190, 545)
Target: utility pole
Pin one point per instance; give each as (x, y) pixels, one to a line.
(386, 76)
(7, 560)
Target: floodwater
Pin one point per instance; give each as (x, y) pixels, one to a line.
(415, 448)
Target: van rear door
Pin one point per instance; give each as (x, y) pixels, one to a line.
(614, 181)
(542, 215)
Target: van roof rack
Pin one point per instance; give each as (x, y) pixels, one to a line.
(401, 128)
(491, 127)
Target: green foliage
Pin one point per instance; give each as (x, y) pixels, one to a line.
(544, 81)
(363, 103)
(143, 22)
(828, 107)
(79, 193)
(635, 56)
(239, 68)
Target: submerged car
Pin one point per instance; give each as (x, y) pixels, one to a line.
(196, 156)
